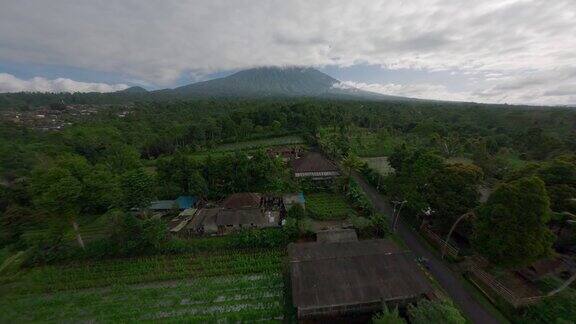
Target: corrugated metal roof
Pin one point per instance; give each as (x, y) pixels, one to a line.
(163, 205)
(353, 273)
(313, 162)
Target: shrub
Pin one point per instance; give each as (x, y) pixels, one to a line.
(427, 312)
(388, 316)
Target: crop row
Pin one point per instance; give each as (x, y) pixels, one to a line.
(131, 271)
(233, 298)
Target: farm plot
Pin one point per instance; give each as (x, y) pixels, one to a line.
(327, 206)
(266, 142)
(230, 286)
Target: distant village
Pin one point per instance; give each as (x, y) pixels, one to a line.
(57, 116)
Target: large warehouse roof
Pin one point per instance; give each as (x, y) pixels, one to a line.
(337, 275)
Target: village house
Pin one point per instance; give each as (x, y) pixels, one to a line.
(315, 166)
(246, 210)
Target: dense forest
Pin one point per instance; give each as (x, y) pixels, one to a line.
(162, 149)
(106, 166)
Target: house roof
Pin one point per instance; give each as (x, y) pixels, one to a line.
(351, 273)
(242, 200)
(313, 162)
(337, 235)
(202, 217)
(240, 216)
(163, 205)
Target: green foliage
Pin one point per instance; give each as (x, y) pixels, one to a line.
(558, 309)
(511, 227)
(262, 238)
(388, 316)
(137, 189)
(427, 312)
(451, 192)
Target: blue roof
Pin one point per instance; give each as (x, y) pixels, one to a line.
(301, 197)
(185, 202)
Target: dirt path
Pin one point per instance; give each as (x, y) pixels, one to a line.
(448, 279)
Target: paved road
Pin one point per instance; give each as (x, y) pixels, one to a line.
(443, 274)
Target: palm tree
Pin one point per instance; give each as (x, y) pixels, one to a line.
(351, 163)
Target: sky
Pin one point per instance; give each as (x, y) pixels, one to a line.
(495, 51)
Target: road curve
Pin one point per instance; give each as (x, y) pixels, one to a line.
(448, 279)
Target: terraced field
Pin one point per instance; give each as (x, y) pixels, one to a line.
(229, 286)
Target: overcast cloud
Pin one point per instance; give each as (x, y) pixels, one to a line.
(10, 83)
(518, 51)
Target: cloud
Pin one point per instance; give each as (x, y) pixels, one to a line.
(161, 41)
(420, 90)
(10, 83)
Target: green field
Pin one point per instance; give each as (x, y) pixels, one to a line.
(265, 142)
(247, 146)
(229, 286)
(327, 206)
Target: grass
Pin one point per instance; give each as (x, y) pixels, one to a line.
(228, 286)
(327, 206)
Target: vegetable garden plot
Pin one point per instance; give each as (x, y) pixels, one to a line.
(327, 206)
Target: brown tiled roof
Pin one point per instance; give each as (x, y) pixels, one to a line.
(240, 216)
(313, 162)
(326, 275)
(242, 200)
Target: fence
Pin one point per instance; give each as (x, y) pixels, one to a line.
(508, 295)
(451, 250)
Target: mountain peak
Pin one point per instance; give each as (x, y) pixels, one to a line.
(134, 89)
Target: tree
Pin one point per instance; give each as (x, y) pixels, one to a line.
(431, 312)
(352, 163)
(61, 197)
(511, 227)
(198, 185)
(451, 192)
(388, 316)
(137, 189)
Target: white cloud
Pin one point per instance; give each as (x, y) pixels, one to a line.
(10, 83)
(420, 90)
(160, 41)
